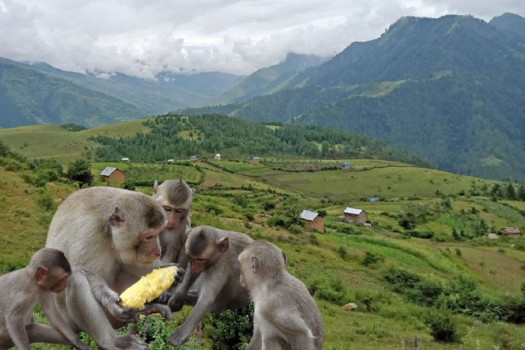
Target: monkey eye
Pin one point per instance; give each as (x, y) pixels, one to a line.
(168, 209)
(149, 238)
(179, 211)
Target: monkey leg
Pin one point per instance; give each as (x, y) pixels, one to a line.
(89, 316)
(42, 333)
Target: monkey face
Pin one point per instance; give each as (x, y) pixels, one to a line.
(147, 249)
(175, 215)
(55, 280)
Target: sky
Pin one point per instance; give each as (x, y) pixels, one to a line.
(142, 38)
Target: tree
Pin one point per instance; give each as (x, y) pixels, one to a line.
(511, 193)
(80, 170)
(521, 193)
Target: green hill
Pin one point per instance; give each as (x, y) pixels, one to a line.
(448, 90)
(425, 266)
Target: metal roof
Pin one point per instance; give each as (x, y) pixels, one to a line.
(354, 211)
(308, 215)
(108, 171)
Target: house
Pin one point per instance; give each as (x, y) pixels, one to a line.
(510, 231)
(125, 159)
(193, 159)
(346, 165)
(171, 160)
(312, 220)
(354, 215)
(110, 174)
(255, 160)
(373, 199)
(217, 157)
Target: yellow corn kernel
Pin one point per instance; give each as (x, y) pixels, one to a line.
(149, 287)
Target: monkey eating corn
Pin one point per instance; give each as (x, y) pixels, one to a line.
(149, 287)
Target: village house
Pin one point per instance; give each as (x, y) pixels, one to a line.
(193, 159)
(110, 174)
(125, 159)
(312, 220)
(354, 215)
(171, 160)
(510, 232)
(217, 157)
(255, 160)
(346, 165)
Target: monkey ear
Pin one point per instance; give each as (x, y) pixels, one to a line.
(255, 264)
(223, 244)
(40, 273)
(285, 258)
(117, 218)
(155, 186)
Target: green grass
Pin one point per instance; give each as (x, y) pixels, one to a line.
(53, 141)
(234, 195)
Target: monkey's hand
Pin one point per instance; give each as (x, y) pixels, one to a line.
(110, 299)
(164, 298)
(125, 314)
(176, 302)
(155, 308)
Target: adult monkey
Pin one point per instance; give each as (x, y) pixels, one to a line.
(285, 314)
(176, 197)
(112, 235)
(211, 282)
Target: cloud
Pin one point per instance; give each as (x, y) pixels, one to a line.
(142, 38)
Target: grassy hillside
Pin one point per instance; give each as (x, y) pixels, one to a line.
(455, 274)
(54, 141)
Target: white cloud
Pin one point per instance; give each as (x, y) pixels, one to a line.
(142, 38)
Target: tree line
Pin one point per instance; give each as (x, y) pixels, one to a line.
(176, 136)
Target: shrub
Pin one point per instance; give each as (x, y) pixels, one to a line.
(278, 220)
(328, 286)
(80, 170)
(372, 259)
(232, 329)
(401, 279)
(443, 327)
(342, 252)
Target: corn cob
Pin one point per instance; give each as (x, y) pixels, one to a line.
(149, 287)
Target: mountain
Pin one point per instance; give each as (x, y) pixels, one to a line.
(39, 93)
(268, 80)
(511, 24)
(449, 90)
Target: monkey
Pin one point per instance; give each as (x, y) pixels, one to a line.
(176, 197)
(285, 314)
(211, 282)
(110, 234)
(47, 273)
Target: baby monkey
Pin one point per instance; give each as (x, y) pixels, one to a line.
(285, 315)
(20, 291)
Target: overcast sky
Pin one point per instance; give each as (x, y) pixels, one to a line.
(142, 38)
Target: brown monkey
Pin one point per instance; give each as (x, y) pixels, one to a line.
(21, 290)
(285, 314)
(112, 235)
(211, 283)
(176, 197)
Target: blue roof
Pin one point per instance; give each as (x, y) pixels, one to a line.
(373, 199)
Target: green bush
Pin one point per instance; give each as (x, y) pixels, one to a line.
(328, 286)
(231, 329)
(443, 327)
(279, 220)
(372, 259)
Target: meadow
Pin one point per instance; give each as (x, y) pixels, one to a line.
(426, 256)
